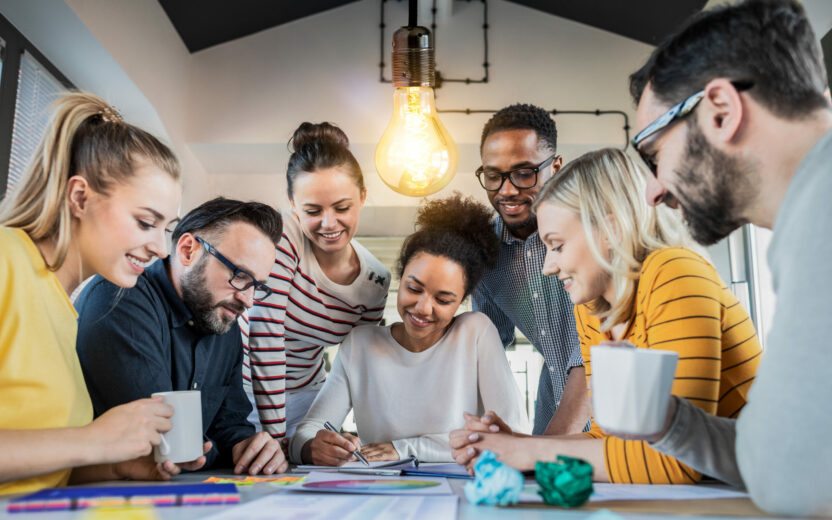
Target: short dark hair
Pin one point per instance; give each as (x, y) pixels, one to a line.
(317, 146)
(767, 42)
(459, 229)
(522, 116)
(213, 217)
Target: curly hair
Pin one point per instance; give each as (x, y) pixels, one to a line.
(458, 228)
(522, 116)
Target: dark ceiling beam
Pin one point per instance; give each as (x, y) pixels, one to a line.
(648, 21)
(204, 23)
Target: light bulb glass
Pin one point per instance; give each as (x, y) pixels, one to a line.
(416, 155)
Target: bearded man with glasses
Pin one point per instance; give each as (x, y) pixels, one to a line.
(177, 328)
(519, 153)
(736, 128)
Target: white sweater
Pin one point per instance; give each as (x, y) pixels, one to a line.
(416, 399)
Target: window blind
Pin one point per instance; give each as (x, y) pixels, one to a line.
(36, 89)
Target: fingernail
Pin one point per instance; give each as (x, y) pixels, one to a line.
(255, 469)
(470, 451)
(494, 428)
(473, 437)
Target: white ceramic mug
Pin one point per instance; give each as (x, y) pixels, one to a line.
(631, 388)
(183, 443)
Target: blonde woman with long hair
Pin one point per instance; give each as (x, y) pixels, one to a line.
(633, 274)
(96, 198)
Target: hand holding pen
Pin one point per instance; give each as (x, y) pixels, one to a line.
(330, 448)
(357, 452)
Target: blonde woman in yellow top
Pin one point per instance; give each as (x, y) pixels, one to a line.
(96, 198)
(622, 263)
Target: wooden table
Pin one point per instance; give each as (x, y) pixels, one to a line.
(631, 510)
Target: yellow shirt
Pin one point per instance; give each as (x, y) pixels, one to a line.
(681, 305)
(41, 384)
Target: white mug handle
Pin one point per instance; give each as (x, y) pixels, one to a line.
(164, 447)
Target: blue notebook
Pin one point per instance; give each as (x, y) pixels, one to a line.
(438, 470)
(69, 498)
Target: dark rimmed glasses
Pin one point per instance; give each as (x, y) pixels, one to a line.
(520, 178)
(241, 279)
(675, 113)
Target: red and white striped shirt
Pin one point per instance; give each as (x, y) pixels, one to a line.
(285, 335)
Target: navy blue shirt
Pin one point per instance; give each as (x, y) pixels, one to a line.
(516, 293)
(134, 342)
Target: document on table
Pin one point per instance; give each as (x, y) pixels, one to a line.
(320, 507)
(323, 482)
(615, 492)
(409, 462)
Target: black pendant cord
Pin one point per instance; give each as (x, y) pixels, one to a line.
(413, 13)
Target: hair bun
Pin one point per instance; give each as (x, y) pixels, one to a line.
(318, 133)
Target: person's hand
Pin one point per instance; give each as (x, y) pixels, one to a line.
(462, 448)
(380, 451)
(330, 448)
(260, 452)
(518, 452)
(129, 431)
(146, 468)
(489, 422)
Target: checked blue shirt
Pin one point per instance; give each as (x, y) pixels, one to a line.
(516, 294)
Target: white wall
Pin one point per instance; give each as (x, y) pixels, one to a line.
(143, 42)
(229, 110)
(250, 94)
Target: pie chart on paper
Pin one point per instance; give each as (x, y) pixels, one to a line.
(370, 485)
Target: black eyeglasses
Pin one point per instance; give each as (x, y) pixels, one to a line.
(240, 279)
(520, 178)
(675, 113)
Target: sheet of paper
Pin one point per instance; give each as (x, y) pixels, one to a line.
(240, 480)
(614, 492)
(318, 507)
(323, 482)
(392, 464)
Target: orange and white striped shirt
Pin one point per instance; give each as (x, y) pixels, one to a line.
(682, 305)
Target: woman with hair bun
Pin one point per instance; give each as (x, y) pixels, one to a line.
(410, 383)
(96, 198)
(325, 283)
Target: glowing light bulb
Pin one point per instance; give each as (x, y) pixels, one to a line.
(416, 155)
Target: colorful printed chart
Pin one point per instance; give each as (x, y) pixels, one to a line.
(371, 486)
(323, 482)
(285, 480)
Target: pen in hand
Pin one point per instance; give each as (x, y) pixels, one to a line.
(357, 454)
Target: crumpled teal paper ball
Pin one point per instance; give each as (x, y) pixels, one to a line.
(565, 483)
(495, 484)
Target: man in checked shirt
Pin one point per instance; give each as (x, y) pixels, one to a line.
(519, 153)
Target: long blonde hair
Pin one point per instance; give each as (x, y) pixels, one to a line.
(606, 188)
(87, 137)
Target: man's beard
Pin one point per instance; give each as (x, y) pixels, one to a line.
(527, 225)
(198, 299)
(714, 190)
(530, 224)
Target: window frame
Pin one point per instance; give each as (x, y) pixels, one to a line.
(15, 45)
